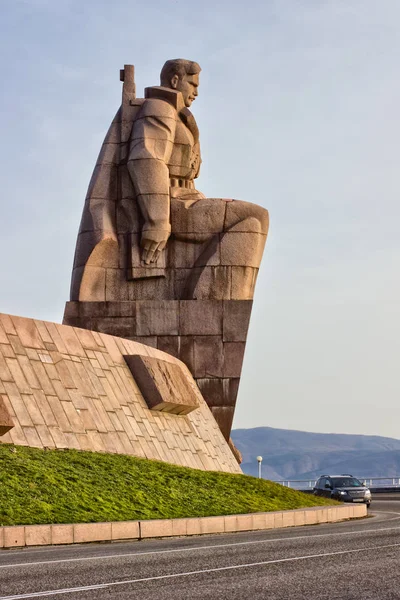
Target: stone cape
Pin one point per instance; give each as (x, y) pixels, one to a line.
(107, 252)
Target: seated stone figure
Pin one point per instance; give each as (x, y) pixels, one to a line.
(146, 232)
(155, 260)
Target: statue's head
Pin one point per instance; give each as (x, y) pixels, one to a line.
(182, 75)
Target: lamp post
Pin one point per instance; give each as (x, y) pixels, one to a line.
(259, 460)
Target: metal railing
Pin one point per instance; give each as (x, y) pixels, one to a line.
(297, 484)
(376, 482)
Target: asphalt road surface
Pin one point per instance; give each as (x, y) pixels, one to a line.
(357, 560)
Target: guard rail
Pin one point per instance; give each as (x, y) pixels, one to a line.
(376, 484)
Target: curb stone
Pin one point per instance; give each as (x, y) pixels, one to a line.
(20, 536)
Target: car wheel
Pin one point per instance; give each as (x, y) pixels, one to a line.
(368, 504)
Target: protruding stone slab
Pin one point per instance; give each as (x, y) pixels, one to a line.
(163, 385)
(6, 422)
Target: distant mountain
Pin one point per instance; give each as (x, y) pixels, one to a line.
(293, 454)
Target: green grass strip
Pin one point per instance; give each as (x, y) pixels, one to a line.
(53, 486)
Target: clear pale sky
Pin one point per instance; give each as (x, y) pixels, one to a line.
(298, 111)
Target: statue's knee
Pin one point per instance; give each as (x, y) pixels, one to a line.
(256, 217)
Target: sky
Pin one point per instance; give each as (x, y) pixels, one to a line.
(298, 111)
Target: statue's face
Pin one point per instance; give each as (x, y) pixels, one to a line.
(188, 86)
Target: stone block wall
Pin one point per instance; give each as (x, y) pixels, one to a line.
(64, 387)
(209, 336)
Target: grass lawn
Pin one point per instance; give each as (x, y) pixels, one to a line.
(67, 486)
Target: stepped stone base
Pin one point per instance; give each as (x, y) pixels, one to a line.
(64, 387)
(209, 336)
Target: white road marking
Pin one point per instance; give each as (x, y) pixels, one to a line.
(196, 548)
(391, 512)
(102, 586)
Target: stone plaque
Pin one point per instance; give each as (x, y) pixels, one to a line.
(163, 385)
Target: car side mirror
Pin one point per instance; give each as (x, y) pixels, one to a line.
(327, 486)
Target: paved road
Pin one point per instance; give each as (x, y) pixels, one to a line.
(353, 560)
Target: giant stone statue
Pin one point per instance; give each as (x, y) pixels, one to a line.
(158, 262)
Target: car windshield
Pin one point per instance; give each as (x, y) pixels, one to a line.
(341, 482)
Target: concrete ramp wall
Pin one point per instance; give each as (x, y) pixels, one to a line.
(64, 387)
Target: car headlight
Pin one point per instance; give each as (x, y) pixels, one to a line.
(367, 492)
(342, 493)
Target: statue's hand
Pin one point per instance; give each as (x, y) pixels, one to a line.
(153, 243)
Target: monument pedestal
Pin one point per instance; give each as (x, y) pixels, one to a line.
(209, 336)
(63, 387)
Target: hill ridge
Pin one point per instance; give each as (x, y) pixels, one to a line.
(296, 454)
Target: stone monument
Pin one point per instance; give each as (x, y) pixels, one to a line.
(156, 261)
